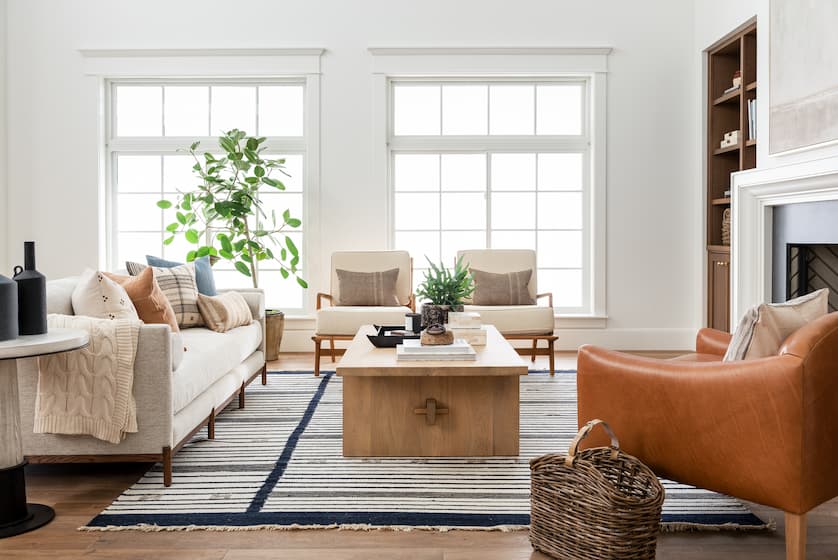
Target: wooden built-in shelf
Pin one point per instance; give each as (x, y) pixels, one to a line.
(720, 201)
(752, 86)
(725, 150)
(719, 248)
(728, 97)
(751, 142)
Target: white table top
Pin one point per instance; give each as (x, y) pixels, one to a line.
(56, 340)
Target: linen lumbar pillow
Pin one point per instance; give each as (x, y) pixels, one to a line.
(511, 288)
(203, 272)
(368, 288)
(224, 312)
(178, 285)
(144, 291)
(98, 296)
(763, 328)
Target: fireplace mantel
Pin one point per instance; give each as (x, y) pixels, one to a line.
(754, 194)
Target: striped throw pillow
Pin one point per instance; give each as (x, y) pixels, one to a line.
(511, 288)
(178, 285)
(367, 288)
(224, 312)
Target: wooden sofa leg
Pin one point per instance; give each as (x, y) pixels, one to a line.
(795, 536)
(241, 395)
(534, 348)
(211, 425)
(332, 348)
(317, 342)
(264, 375)
(167, 466)
(552, 353)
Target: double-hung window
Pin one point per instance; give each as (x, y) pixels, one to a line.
(495, 163)
(150, 122)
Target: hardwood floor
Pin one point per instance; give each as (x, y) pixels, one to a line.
(79, 492)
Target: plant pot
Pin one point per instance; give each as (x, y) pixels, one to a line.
(274, 327)
(433, 313)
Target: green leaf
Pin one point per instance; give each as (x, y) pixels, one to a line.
(190, 256)
(294, 222)
(284, 273)
(252, 143)
(302, 282)
(194, 146)
(259, 171)
(203, 251)
(181, 218)
(291, 246)
(172, 227)
(168, 240)
(242, 267)
(225, 243)
(191, 236)
(226, 254)
(164, 204)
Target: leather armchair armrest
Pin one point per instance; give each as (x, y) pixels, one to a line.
(711, 341)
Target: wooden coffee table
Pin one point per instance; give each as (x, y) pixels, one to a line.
(430, 408)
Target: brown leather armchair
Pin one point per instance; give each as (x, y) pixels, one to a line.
(762, 430)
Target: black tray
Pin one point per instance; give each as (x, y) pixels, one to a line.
(382, 340)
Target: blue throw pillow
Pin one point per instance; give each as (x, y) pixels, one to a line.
(203, 272)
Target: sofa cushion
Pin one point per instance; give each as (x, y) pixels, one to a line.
(367, 288)
(60, 294)
(516, 319)
(209, 355)
(346, 320)
(511, 288)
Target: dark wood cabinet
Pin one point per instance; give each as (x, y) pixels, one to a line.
(718, 286)
(728, 110)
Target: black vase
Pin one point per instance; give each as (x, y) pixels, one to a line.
(8, 308)
(31, 294)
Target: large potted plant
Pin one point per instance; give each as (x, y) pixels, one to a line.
(444, 291)
(223, 216)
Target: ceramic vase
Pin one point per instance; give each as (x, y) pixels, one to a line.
(8, 308)
(31, 294)
(433, 314)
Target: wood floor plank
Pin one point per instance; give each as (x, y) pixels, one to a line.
(79, 492)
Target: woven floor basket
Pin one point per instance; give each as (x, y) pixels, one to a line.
(596, 504)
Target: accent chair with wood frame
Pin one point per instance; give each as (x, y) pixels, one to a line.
(534, 323)
(341, 322)
(762, 430)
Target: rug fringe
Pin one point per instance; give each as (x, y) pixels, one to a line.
(770, 525)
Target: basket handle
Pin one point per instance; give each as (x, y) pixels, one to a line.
(583, 433)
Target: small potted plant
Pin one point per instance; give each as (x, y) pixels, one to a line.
(223, 216)
(444, 291)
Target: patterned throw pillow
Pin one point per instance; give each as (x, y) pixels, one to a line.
(98, 296)
(152, 306)
(511, 288)
(178, 285)
(368, 288)
(224, 312)
(203, 272)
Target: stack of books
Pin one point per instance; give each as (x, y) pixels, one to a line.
(412, 350)
(467, 326)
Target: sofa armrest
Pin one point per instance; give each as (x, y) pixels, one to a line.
(711, 341)
(153, 382)
(255, 298)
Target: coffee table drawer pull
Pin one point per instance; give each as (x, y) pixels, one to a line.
(430, 411)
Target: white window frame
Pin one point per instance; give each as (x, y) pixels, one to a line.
(498, 64)
(209, 67)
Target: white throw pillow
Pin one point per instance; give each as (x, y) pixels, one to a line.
(96, 295)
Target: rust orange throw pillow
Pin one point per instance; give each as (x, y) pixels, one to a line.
(152, 305)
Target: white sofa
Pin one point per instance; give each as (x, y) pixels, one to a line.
(177, 392)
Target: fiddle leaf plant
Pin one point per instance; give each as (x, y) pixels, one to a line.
(224, 217)
(443, 287)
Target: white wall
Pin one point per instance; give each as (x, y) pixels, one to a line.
(5, 267)
(654, 228)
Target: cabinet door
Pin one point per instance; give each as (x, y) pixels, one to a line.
(718, 291)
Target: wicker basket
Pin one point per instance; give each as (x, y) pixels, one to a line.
(597, 504)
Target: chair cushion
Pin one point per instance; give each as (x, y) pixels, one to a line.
(367, 288)
(345, 320)
(516, 319)
(209, 355)
(510, 288)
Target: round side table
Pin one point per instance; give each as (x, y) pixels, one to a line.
(16, 516)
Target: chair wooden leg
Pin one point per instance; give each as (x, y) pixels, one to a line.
(167, 466)
(332, 348)
(265, 374)
(552, 353)
(534, 348)
(211, 425)
(795, 536)
(241, 396)
(316, 356)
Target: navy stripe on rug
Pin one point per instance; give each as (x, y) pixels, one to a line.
(281, 464)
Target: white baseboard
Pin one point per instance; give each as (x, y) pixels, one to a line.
(299, 340)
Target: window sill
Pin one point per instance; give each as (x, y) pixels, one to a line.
(562, 321)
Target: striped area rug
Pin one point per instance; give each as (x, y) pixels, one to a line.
(278, 464)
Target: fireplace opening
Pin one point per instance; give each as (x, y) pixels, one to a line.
(810, 267)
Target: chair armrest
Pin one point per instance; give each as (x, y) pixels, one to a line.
(411, 303)
(704, 423)
(320, 297)
(711, 341)
(548, 295)
(255, 298)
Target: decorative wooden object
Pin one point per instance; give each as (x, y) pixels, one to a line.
(726, 111)
(430, 409)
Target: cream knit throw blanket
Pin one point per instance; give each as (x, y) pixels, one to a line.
(90, 391)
